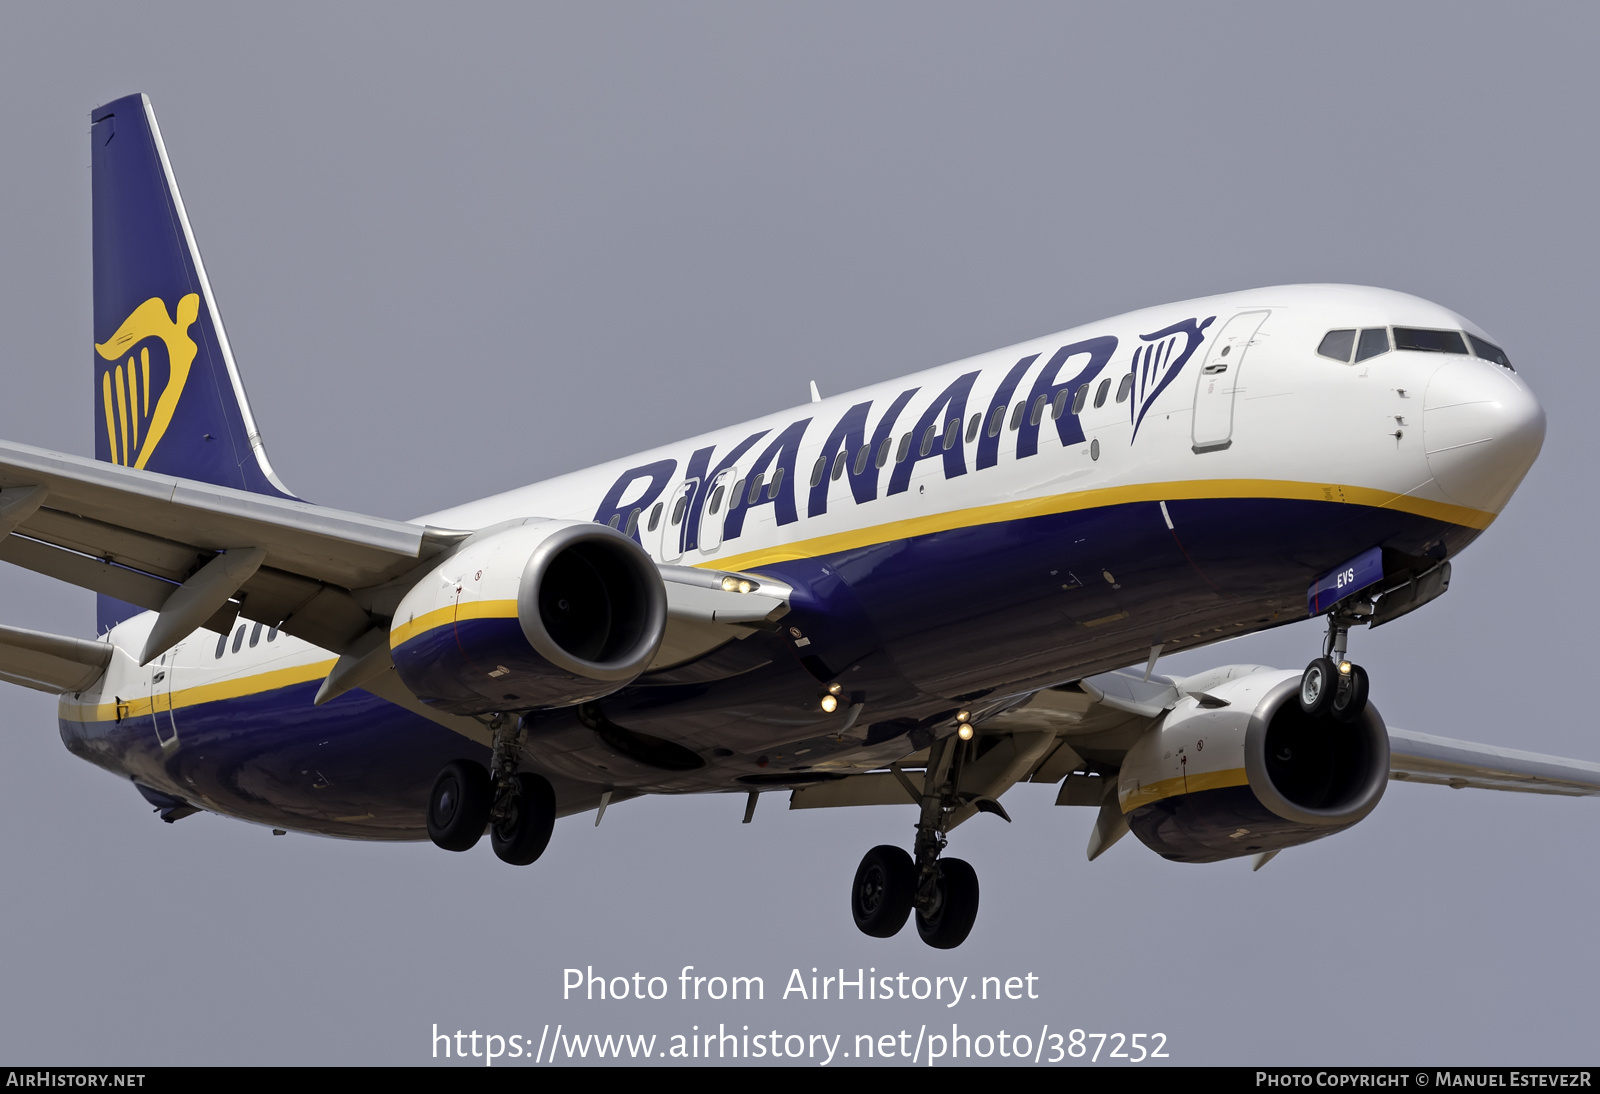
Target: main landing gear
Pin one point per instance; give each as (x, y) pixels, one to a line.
(1331, 684)
(890, 885)
(518, 808)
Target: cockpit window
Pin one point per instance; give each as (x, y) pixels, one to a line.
(1489, 351)
(1337, 344)
(1374, 340)
(1429, 341)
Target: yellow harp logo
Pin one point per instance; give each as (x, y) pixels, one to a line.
(133, 425)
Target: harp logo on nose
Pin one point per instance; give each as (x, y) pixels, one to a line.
(1158, 361)
(140, 389)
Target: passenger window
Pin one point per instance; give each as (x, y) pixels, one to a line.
(755, 488)
(1429, 341)
(997, 418)
(272, 636)
(736, 493)
(972, 427)
(777, 481)
(838, 466)
(238, 638)
(1489, 351)
(655, 516)
(614, 521)
(255, 635)
(1100, 396)
(1373, 342)
(927, 441)
(1016, 415)
(716, 499)
(1079, 399)
(1337, 344)
(883, 450)
(677, 510)
(905, 449)
(861, 459)
(633, 522)
(1038, 411)
(818, 469)
(1124, 388)
(222, 643)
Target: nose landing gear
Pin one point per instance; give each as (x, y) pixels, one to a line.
(943, 892)
(518, 808)
(1331, 684)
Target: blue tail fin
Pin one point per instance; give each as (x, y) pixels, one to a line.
(168, 397)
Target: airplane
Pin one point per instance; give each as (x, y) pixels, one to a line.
(920, 593)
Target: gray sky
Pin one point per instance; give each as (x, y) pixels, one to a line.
(460, 249)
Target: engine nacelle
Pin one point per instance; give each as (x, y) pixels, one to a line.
(1240, 769)
(541, 614)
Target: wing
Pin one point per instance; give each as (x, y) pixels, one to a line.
(140, 536)
(204, 555)
(1078, 734)
(1424, 758)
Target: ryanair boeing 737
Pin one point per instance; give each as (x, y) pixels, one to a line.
(920, 593)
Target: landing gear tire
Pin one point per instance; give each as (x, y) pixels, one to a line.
(1350, 699)
(881, 895)
(1318, 686)
(950, 920)
(530, 817)
(459, 804)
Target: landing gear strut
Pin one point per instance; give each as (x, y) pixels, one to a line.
(890, 884)
(518, 808)
(1331, 684)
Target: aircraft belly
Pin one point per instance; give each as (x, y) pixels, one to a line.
(1067, 594)
(356, 767)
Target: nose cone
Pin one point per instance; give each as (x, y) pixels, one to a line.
(1482, 429)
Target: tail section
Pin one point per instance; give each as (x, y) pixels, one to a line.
(168, 394)
(168, 397)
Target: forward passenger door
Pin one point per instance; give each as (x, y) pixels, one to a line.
(1219, 381)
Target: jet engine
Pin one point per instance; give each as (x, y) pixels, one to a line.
(543, 613)
(1240, 769)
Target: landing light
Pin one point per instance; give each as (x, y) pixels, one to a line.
(830, 703)
(964, 731)
(1344, 668)
(730, 584)
(835, 689)
(964, 716)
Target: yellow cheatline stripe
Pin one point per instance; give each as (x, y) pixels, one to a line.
(1190, 490)
(144, 359)
(1181, 784)
(111, 421)
(236, 688)
(443, 617)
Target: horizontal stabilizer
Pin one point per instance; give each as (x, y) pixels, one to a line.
(49, 662)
